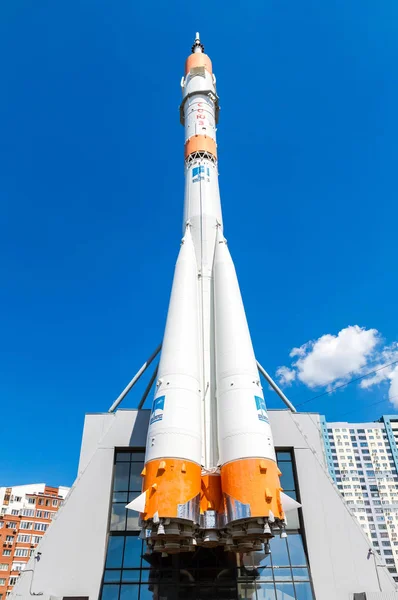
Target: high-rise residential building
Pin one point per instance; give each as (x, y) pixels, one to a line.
(362, 459)
(26, 511)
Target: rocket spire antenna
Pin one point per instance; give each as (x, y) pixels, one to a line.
(197, 45)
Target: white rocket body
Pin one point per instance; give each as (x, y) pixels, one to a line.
(175, 424)
(210, 461)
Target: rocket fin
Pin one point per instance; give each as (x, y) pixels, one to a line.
(288, 503)
(138, 503)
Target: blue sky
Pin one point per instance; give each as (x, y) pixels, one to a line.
(91, 176)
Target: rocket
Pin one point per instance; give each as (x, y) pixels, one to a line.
(210, 475)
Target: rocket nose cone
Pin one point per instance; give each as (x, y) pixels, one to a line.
(197, 45)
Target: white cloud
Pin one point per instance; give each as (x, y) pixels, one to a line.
(387, 355)
(332, 360)
(285, 375)
(393, 391)
(300, 351)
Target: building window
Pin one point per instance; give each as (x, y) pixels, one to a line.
(126, 486)
(31, 500)
(9, 538)
(40, 526)
(21, 552)
(24, 539)
(28, 512)
(13, 580)
(42, 514)
(6, 552)
(4, 567)
(11, 525)
(26, 525)
(132, 574)
(2, 581)
(55, 502)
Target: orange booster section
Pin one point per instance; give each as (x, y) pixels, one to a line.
(172, 488)
(251, 488)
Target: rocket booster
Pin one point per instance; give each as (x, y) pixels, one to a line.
(210, 475)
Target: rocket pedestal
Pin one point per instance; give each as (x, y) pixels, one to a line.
(210, 476)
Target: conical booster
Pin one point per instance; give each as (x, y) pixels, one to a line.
(172, 474)
(249, 473)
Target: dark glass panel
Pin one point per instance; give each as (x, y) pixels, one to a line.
(300, 574)
(150, 594)
(110, 592)
(121, 477)
(132, 515)
(188, 592)
(135, 476)
(303, 591)
(130, 575)
(247, 592)
(156, 592)
(138, 457)
(132, 552)
(285, 591)
(219, 593)
(296, 549)
(279, 553)
(123, 456)
(287, 478)
(118, 517)
(115, 552)
(282, 574)
(129, 592)
(265, 573)
(283, 456)
(266, 591)
(150, 575)
(112, 576)
(120, 497)
(261, 559)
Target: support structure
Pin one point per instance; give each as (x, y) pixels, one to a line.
(136, 377)
(275, 387)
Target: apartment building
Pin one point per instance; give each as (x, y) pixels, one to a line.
(362, 459)
(26, 511)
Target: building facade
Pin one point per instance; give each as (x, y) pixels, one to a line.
(26, 511)
(362, 459)
(93, 549)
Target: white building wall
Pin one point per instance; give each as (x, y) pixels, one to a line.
(73, 550)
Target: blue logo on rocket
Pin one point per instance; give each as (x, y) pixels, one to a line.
(198, 173)
(157, 409)
(261, 409)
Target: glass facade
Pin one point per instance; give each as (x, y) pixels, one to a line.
(207, 573)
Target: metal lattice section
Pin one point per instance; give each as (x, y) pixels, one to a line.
(200, 155)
